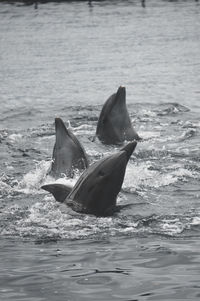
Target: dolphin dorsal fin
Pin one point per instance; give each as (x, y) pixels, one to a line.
(59, 191)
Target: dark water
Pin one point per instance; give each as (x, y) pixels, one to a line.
(65, 60)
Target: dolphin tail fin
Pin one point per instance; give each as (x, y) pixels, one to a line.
(59, 191)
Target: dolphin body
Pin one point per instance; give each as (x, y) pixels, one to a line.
(114, 124)
(97, 188)
(68, 153)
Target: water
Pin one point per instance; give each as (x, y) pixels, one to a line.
(65, 60)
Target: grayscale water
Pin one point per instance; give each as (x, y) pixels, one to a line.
(64, 60)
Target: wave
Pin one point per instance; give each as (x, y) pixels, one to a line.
(46, 219)
(160, 185)
(171, 109)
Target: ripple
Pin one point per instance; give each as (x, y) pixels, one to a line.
(172, 108)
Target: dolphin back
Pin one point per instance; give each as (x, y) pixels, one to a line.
(68, 153)
(114, 125)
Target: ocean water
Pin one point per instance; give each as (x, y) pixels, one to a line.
(64, 60)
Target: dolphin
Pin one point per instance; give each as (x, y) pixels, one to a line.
(114, 124)
(97, 188)
(68, 153)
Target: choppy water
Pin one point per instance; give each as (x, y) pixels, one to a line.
(65, 60)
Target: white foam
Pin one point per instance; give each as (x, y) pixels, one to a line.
(31, 181)
(4, 186)
(146, 135)
(15, 137)
(141, 175)
(172, 227)
(84, 128)
(195, 221)
(65, 181)
(149, 113)
(182, 172)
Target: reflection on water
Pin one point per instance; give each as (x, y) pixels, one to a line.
(66, 59)
(67, 53)
(119, 269)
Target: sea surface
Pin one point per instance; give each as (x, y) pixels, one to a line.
(64, 60)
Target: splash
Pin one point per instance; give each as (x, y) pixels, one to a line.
(141, 175)
(84, 129)
(196, 221)
(172, 109)
(15, 138)
(4, 188)
(188, 134)
(183, 173)
(46, 219)
(172, 227)
(33, 180)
